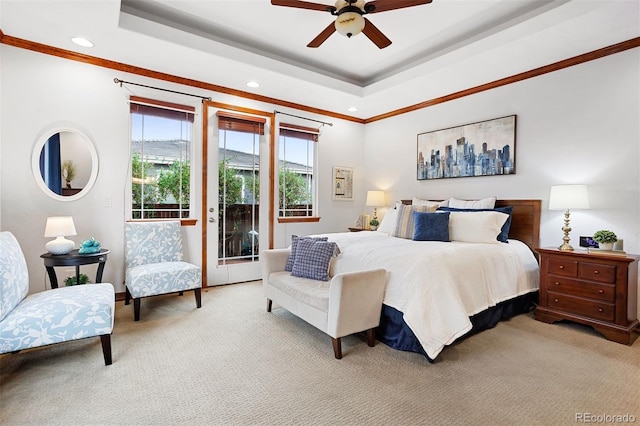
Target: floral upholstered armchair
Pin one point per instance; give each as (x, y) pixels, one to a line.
(50, 316)
(153, 258)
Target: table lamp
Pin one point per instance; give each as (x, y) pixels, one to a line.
(375, 199)
(59, 227)
(565, 197)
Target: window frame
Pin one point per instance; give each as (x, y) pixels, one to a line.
(311, 135)
(168, 110)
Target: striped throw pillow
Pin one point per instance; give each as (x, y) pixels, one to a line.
(404, 223)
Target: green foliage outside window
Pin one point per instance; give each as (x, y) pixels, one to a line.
(141, 172)
(230, 183)
(175, 182)
(294, 185)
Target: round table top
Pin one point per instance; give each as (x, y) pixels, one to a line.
(74, 254)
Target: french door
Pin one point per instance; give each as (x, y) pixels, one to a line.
(237, 186)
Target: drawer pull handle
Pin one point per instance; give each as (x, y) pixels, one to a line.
(596, 272)
(601, 291)
(557, 283)
(555, 300)
(600, 310)
(561, 266)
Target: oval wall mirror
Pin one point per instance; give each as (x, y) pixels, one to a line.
(64, 163)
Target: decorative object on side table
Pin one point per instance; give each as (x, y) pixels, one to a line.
(375, 199)
(89, 246)
(59, 227)
(565, 197)
(605, 239)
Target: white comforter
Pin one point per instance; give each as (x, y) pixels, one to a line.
(437, 285)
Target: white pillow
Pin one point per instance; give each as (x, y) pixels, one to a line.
(485, 203)
(388, 222)
(476, 227)
(429, 203)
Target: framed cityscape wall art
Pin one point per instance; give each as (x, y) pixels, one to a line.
(485, 148)
(342, 183)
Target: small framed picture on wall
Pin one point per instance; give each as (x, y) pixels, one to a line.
(342, 183)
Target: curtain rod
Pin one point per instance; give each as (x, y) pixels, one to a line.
(304, 118)
(116, 80)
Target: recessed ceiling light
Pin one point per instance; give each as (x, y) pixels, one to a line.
(81, 41)
(352, 109)
(253, 84)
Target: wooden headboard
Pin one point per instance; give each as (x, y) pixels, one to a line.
(525, 220)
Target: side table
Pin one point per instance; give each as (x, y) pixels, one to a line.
(73, 258)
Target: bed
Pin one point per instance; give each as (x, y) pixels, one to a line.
(439, 292)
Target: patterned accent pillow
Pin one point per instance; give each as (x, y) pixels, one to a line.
(404, 222)
(313, 258)
(294, 248)
(431, 226)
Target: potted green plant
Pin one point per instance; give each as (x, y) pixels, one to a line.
(605, 239)
(374, 224)
(71, 280)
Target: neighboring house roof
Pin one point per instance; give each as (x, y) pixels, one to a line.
(164, 152)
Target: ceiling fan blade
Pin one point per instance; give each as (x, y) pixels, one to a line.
(375, 35)
(324, 35)
(385, 5)
(303, 5)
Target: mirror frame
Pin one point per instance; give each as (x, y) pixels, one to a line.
(35, 161)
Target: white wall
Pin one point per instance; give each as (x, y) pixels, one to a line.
(577, 125)
(41, 91)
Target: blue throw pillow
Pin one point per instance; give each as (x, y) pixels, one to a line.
(431, 226)
(503, 236)
(312, 259)
(294, 248)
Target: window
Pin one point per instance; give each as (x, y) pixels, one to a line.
(160, 159)
(296, 183)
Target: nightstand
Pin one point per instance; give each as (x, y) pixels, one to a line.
(599, 290)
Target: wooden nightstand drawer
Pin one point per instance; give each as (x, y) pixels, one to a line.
(597, 272)
(600, 292)
(559, 266)
(585, 307)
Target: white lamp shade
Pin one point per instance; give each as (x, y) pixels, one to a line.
(59, 226)
(375, 198)
(564, 197)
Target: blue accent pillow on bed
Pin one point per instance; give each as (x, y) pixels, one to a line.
(294, 248)
(431, 226)
(503, 236)
(312, 259)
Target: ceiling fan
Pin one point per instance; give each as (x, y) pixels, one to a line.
(350, 18)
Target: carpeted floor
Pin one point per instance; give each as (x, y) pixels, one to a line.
(232, 363)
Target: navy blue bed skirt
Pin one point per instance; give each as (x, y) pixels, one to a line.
(394, 332)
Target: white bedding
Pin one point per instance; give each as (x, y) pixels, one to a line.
(438, 285)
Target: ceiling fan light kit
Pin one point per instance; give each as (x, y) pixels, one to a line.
(350, 18)
(349, 23)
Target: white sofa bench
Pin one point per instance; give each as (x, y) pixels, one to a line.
(348, 303)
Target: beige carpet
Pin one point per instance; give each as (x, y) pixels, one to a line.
(232, 363)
